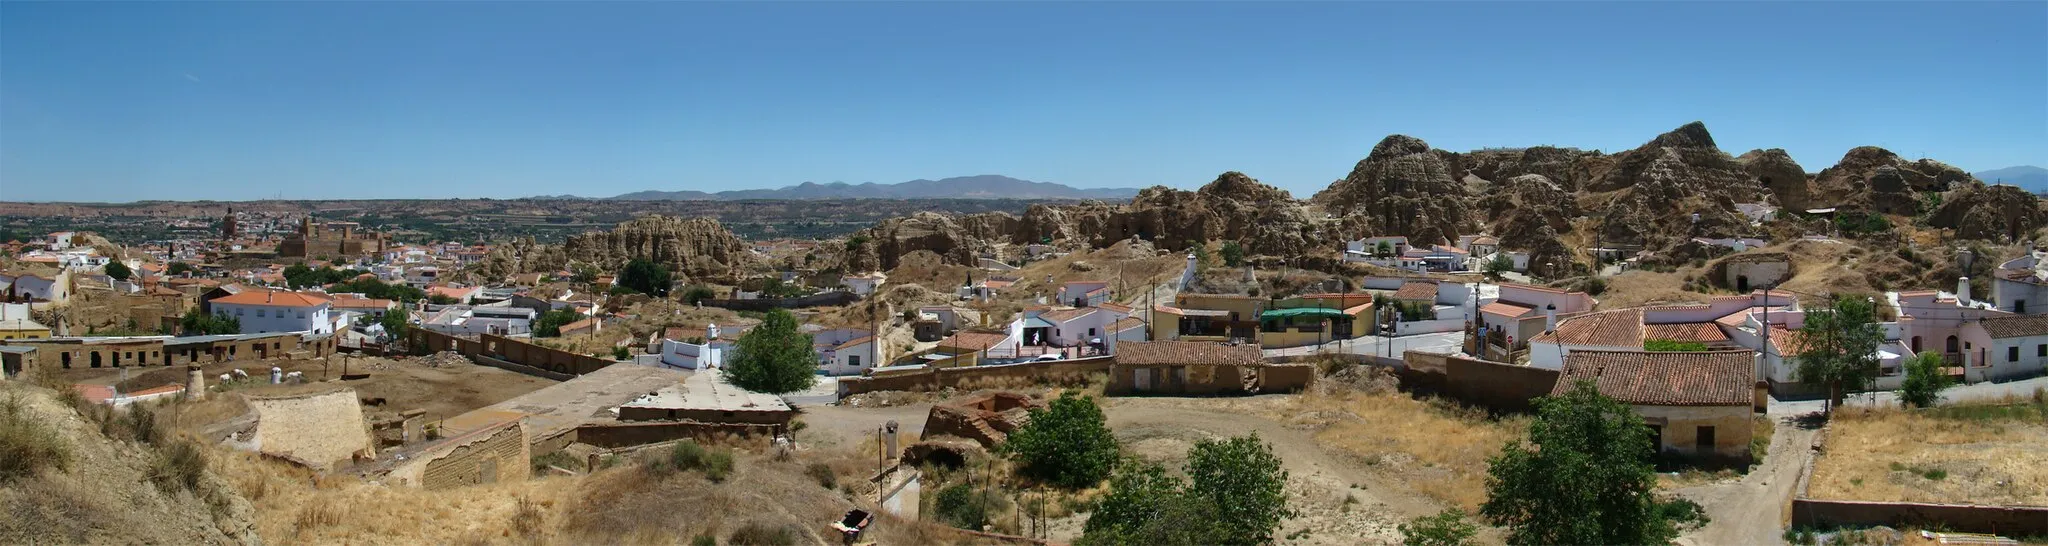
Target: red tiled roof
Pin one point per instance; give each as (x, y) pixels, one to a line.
(855, 342)
(1616, 328)
(1505, 309)
(1141, 353)
(973, 340)
(2016, 326)
(1704, 332)
(1712, 378)
(361, 303)
(1117, 307)
(579, 325)
(1125, 323)
(1414, 291)
(1788, 342)
(1065, 315)
(273, 298)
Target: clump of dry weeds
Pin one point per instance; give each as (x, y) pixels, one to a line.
(1435, 447)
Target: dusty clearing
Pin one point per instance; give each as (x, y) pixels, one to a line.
(445, 387)
(1953, 455)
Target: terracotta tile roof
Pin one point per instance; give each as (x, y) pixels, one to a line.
(579, 325)
(1787, 342)
(855, 342)
(1117, 307)
(1712, 378)
(2016, 326)
(1192, 353)
(362, 303)
(450, 291)
(1125, 323)
(1066, 315)
(1505, 309)
(1617, 328)
(1704, 332)
(1416, 291)
(1534, 287)
(273, 299)
(973, 340)
(1485, 241)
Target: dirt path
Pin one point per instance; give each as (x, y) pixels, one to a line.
(1752, 510)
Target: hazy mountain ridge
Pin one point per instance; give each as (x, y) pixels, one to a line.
(2027, 177)
(987, 186)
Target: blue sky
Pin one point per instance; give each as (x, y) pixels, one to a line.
(187, 100)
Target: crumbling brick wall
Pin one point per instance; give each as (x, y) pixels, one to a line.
(490, 456)
(987, 419)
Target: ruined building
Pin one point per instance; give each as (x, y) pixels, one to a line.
(334, 239)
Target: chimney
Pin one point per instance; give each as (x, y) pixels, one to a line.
(1963, 290)
(1549, 318)
(195, 385)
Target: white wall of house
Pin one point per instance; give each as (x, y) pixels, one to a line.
(263, 319)
(2019, 297)
(1082, 328)
(849, 360)
(2011, 358)
(690, 356)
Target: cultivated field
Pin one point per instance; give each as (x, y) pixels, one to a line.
(1994, 455)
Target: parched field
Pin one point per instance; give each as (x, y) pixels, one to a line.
(444, 386)
(1995, 455)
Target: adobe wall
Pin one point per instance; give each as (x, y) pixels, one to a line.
(633, 434)
(528, 370)
(321, 429)
(1060, 371)
(1199, 380)
(555, 360)
(496, 456)
(822, 299)
(1680, 428)
(1291, 378)
(754, 417)
(2001, 520)
(1497, 386)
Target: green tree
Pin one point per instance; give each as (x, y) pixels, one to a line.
(395, 323)
(1241, 478)
(1233, 254)
(1235, 495)
(1838, 347)
(696, 293)
(1066, 444)
(373, 288)
(1446, 528)
(442, 299)
(550, 324)
(1500, 264)
(179, 268)
(774, 357)
(1586, 480)
(1383, 250)
(196, 323)
(119, 271)
(1924, 380)
(646, 277)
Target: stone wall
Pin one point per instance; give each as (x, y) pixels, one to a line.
(1679, 429)
(506, 350)
(1196, 380)
(702, 415)
(1491, 385)
(1292, 378)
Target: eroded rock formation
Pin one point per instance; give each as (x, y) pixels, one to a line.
(1402, 188)
(1995, 213)
(694, 248)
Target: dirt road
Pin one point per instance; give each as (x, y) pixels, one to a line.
(1751, 510)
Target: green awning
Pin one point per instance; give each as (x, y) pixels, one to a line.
(1302, 312)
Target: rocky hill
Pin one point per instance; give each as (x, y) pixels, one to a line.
(690, 247)
(1547, 200)
(987, 186)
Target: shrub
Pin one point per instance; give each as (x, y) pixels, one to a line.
(1446, 528)
(27, 445)
(687, 456)
(755, 533)
(620, 353)
(827, 478)
(704, 540)
(774, 357)
(957, 505)
(1673, 346)
(1924, 380)
(179, 463)
(1235, 495)
(717, 465)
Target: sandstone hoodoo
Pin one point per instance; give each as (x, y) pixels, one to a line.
(1658, 187)
(1777, 172)
(1995, 213)
(1875, 178)
(1566, 167)
(691, 247)
(1402, 188)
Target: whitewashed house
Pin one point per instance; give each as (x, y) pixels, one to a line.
(268, 311)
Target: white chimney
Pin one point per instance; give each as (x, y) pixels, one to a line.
(1549, 318)
(1963, 290)
(711, 331)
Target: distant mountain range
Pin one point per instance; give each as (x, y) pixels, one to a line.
(987, 186)
(2028, 177)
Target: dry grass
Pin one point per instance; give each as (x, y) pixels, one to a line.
(1436, 448)
(1896, 455)
(1640, 287)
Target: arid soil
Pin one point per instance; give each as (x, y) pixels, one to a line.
(1892, 455)
(445, 387)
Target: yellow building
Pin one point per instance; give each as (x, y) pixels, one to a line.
(1315, 319)
(1208, 317)
(23, 328)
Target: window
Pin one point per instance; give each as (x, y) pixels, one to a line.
(1091, 332)
(2019, 307)
(2012, 354)
(1704, 438)
(2041, 350)
(259, 313)
(853, 360)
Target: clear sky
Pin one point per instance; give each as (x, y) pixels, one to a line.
(190, 100)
